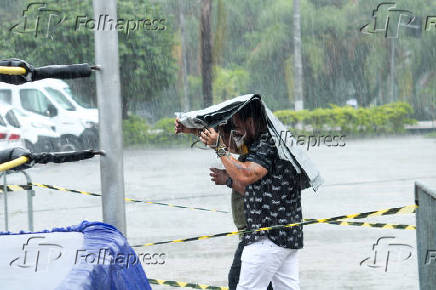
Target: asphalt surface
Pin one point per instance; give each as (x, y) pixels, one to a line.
(362, 176)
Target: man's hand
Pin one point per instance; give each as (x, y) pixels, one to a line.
(209, 136)
(219, 176)
(180, 128)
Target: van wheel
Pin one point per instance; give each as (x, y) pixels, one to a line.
(70, 143)
(46, 146)
(90, 140)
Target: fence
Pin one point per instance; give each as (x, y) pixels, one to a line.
(30, 195)
(426, 236)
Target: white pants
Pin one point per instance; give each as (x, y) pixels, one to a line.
(263, 261)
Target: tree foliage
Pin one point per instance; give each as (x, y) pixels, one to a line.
(252, 52)
(146, 62)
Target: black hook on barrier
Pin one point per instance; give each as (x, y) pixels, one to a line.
(17, 71)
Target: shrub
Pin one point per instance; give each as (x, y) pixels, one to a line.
(136, 131)
(390, 118)
(164, 135)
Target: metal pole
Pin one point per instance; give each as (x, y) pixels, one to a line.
(109, 104)
(298, 64)
(187, 101)
(206, 52)
(426, 236)
(30, 195)
(5, 192)
(393, 70)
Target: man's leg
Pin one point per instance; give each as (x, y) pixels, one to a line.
(287, 276)
(235, 268)
(260, 261)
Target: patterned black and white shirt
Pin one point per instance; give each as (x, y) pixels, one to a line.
(275, 199)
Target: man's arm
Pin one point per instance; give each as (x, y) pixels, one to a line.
(238, 187)
(243, 173)
(256, 164)
(207, 135)
(219, 176)
(180, 128)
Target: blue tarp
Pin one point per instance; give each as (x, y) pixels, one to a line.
(118, 266)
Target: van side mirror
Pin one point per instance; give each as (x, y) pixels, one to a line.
(52, 111)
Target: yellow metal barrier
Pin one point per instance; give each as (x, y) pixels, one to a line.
(14, 163)
(13, 71)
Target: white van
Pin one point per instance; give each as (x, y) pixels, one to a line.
(34, 99)
(62, 87)
(38, 133)
(10, 137)
(61, 91)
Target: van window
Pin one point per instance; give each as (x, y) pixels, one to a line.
(35, 101)
(77, 99)
(6, 96)
(20, 113)
(2, 122)
(61, 99)
(12, 119)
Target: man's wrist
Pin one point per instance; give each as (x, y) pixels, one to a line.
(213, 146)
(220, 148)
(221, 151)
(229, 182)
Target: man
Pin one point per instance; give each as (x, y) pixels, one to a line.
(272, 196)
(221, 177)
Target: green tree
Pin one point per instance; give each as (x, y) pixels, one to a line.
(146, 62)
(229, 83)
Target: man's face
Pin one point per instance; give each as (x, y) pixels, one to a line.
(239, 126)
(242, 128)
(225, 136)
